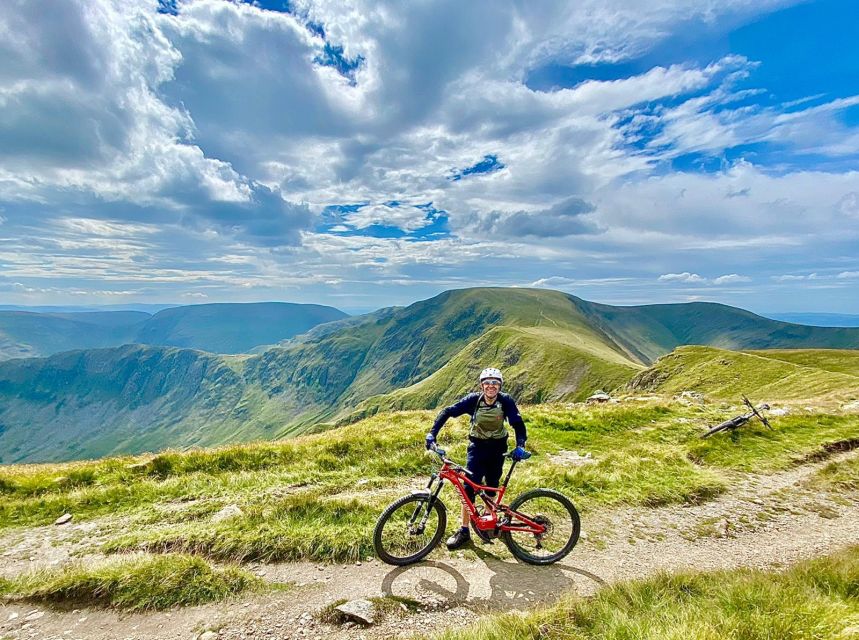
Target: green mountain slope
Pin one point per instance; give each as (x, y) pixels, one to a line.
(233, 328)
(423, 337)
(552, 346)
(541, 364)
(84, 404)
(648, 332)
(836, 360)
(794, 375)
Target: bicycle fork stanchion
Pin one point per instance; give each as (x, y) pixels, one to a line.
(432, 496)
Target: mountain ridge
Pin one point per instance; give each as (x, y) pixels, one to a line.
(553, 346)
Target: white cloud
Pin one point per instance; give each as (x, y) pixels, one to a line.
(207, 144)
(555, 282)
(681, 277)
(403, 216)
(552, 281)
(848, 206)
(730, 279)
(102, 66)
(848, 274)
(102, 228)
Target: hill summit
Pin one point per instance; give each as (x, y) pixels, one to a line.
(551, 345)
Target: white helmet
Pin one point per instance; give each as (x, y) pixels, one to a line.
(491, 372)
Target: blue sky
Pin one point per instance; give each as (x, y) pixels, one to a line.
(209, 151)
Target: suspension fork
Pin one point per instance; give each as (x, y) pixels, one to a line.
(433, 496)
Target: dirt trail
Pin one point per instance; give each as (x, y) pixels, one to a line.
(764, 521)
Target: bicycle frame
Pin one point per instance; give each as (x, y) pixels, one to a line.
(488, 522)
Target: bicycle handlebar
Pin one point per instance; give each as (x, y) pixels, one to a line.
(442, 454)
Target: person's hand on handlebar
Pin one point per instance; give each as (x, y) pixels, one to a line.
(430, 440)
(519, 454)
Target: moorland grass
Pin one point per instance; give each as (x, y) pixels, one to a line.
(132, 584)
(296, 528)
(811, 601)
(784, 374)
(837, 476)
(317, 497)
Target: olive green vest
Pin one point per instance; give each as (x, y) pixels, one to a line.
(488, 421)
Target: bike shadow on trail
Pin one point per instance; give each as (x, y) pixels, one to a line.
(510, 585)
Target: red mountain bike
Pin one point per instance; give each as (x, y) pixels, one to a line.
(541, 526)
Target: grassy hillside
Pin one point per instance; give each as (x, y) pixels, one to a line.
(318, 496)
(423, 337)
(541, 364)
(133, 583)
(778, 375)
(552, 345)
(835, 360)
(126, 399)
(653, 330)
(25, 334)
(233, 328)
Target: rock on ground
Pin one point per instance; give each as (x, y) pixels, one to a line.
(228, 512)
(359, 610)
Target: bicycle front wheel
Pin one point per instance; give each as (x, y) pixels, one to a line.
(409, 529)
(553, 510)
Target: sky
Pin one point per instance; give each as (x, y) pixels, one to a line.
(376, 153)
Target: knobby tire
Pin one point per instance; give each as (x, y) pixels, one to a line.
(396, 517)
(540, 505)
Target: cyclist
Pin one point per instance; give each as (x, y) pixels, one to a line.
(489, 409)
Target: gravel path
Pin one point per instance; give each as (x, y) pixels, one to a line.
(764, 521)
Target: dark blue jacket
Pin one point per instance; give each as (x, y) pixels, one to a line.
(468, 405)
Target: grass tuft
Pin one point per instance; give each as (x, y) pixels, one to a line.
(837, 476)
(387, 605)
(329, 613)
(132, 584)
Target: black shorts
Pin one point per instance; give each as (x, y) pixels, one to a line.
(484, 462)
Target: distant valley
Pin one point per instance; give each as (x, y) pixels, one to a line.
(219, 328)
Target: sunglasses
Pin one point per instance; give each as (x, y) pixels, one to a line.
(493, 383)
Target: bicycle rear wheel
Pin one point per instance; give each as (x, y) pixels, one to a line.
(557, 513)
(402, 536)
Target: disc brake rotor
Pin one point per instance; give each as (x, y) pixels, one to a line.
(543, 521)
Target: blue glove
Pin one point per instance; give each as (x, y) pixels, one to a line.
(430, 440)
(519, 453)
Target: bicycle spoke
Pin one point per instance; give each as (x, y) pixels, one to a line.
(550, 513)
(403, 533)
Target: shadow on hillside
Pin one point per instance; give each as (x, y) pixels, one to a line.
(511, 585)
